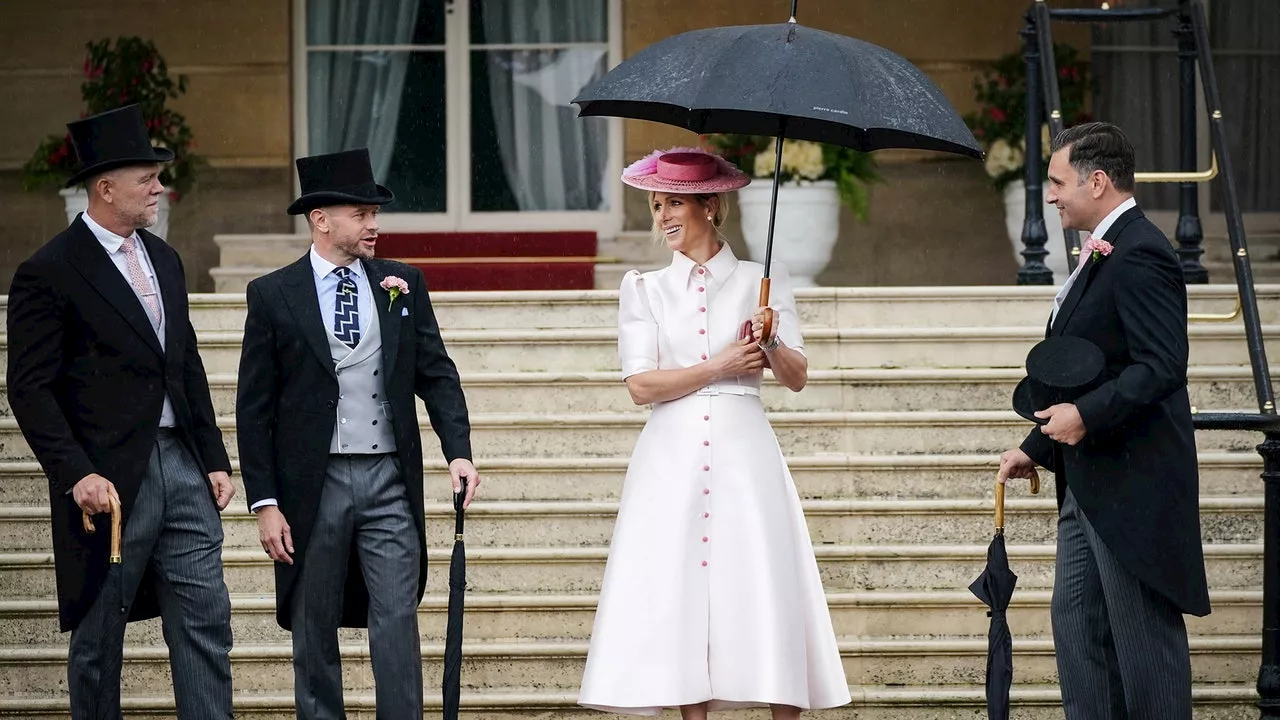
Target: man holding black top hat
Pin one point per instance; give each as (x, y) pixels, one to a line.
(336, 346)
(1109, 385)
(109, 391)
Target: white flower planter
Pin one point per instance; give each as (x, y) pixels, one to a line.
(76, 201)
(1015, 211)
(805, 232)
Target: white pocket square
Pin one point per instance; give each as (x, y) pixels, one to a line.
(404, 312)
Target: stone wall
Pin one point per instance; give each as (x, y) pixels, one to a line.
(238, 103)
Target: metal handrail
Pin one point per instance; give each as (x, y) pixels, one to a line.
(1197, 176)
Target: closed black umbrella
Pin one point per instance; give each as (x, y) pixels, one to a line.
(452, 682)
(785, 80)
(995, 588)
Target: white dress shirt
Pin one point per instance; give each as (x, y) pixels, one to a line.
(111, 243)
(1097, 233)
(327, 293)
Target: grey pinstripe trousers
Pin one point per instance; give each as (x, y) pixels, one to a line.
(174, 529)
(364, 508)
(1121, 647)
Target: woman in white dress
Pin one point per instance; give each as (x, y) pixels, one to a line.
(711, 597)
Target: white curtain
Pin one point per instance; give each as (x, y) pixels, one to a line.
(552, 159)
(353, 97)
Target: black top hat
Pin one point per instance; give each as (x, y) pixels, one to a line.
(113, 139)
(341, 178)
(1060, 369)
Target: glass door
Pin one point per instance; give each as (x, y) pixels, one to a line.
(464, 106)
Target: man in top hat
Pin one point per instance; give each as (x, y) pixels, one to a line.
(336, 346)
(1129, 560)
(109, 391)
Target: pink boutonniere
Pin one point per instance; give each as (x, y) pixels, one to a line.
(397, 286)
(1100, 248)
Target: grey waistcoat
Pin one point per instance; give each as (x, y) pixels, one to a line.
(364, 416)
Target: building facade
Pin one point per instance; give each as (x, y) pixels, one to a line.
(464, 105)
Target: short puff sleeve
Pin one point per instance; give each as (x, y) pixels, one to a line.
(637, 328)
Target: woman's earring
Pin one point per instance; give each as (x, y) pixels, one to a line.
(709, 218)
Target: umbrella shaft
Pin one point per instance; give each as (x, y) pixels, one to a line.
(773, 203)
(794, 3)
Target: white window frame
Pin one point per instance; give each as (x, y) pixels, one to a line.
(458, 215)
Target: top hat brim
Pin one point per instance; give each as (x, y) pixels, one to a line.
(159, 155)
(325, 198)
(1024, 405)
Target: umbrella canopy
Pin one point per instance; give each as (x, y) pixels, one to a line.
(452, 681)
(785, 80)
(994, 587)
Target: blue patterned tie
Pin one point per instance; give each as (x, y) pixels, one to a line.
(346, 311)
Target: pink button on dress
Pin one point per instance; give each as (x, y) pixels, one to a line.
(743, 621)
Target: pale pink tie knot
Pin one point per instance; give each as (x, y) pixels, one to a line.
(1085, 249)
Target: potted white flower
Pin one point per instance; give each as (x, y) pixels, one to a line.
(816, 179)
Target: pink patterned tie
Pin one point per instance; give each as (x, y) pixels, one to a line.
(139, 280)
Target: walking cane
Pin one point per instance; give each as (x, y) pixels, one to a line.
(115, 529)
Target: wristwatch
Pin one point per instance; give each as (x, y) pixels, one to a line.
(771, 345)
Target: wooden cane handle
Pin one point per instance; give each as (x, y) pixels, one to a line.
(999, 507)
(115, 558)
(87, 520)
(766, 331)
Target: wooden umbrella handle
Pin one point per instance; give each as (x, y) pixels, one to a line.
(87, 521)
(1035, 490)
(769, 314)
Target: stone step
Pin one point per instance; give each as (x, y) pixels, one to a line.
(1213, 701)
(818, 307)
(866, 389)
(1234, 520)
(260, 250)
(522, 618)
(1263, 247)
(589, 523)
(596, 350)
(799, 433)
(560, 570)
(828, 476)
(1223, 271)
(529, 666)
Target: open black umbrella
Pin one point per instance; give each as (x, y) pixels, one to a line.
(995, 588)
(785, 80)
(452, 682)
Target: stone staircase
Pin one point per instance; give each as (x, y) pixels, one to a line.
(893, 446)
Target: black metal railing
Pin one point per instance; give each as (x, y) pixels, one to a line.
(1043, 104)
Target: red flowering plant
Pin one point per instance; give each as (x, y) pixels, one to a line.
(1000, 125)
(803, 161)
(130, 72)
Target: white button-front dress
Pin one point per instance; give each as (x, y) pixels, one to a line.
(711, 591)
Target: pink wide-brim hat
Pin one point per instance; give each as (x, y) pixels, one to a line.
(684, 170)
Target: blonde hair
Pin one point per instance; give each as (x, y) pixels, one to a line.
(704, 199)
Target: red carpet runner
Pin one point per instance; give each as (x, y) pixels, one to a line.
(497, 260)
